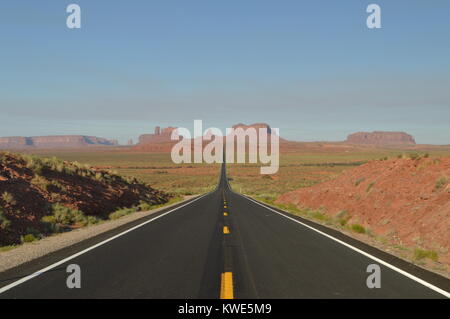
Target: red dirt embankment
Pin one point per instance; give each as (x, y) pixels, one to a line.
(31, 186)
(406, 200)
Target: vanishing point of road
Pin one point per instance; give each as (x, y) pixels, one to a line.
(221, 245)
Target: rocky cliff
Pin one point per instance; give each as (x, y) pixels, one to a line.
(381, 138)
(159, 136)
(256, 126)
(159, 141)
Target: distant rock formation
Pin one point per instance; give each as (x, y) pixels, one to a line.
(160, 136)
(381, 138)
(256, 126)
(160, 140)
(56, 141)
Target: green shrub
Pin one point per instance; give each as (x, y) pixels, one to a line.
(29, 238)
(82, 173)
(8, 198)
(342, 221)
(440, 183)
(49, 219)
(61, 168)
(40, 182)
(50, 224)
(34, 163)
(92, 220)
(414, 156)
(33, 231)
(357, 228)
(342, 217)
(66, 216)
(4, 222)
(144, 206)
(370, 186)
(59, 186)
(422, 253)
(99, 177)
(43, 183)
(318, 216)
(122, 212)
(56, 197)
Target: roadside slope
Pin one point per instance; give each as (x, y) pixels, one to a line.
(406, 201)
(40, 196)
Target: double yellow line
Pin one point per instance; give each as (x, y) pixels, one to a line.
(226, 286)
(226, 229)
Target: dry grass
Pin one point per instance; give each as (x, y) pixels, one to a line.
(157, 169)
(298, 170)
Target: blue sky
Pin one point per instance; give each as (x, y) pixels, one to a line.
(311, 68)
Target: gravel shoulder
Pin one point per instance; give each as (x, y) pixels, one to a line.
(31, 251)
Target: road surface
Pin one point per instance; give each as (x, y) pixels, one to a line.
(221, 245)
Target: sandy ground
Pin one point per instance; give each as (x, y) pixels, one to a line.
(28, 252)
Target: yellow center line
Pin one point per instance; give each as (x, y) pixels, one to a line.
(226, 287)
(226, 230)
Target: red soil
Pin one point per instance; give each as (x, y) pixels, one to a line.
(93, 191)
(400, 199)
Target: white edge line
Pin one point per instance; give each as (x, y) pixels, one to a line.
(404, 273)
(46, 269)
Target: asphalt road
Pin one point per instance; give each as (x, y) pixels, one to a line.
(185, 252)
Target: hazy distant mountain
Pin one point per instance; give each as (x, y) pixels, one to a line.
(381, 138)
(56, 141)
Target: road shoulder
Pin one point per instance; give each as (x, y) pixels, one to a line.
(433, 278)
(29, 252)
